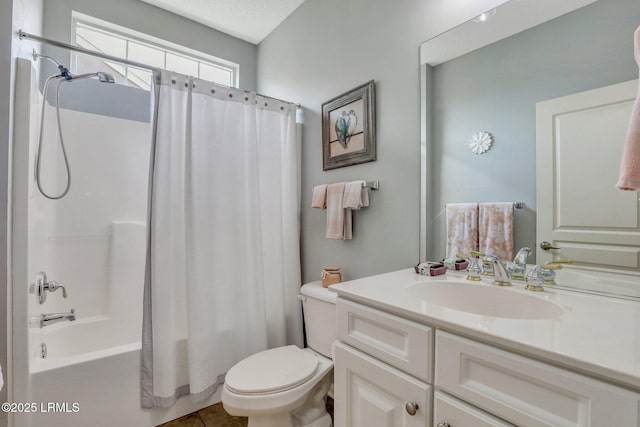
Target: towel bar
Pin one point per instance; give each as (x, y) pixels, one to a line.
(373, 185)
(516, 205)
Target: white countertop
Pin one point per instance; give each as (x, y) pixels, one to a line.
(594, 334)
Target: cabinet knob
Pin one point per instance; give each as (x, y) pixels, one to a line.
(443, 425)
(412, 408)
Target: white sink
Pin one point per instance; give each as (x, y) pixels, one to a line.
(485, 300)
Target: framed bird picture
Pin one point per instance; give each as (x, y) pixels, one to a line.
(349, 128)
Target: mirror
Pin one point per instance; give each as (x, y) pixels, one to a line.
(489, 76)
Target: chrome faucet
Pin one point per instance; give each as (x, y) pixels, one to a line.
(500, 274)
(41, 287)
(518, 267)
(51, 318)
(539, 276)
(474, 271)
(549, 268)
(535, 280)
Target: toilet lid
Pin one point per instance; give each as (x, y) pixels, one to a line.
(272, 370)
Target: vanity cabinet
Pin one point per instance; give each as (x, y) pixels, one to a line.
(382, 368)
(390, 371)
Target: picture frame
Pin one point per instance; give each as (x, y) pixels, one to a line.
(349, 128)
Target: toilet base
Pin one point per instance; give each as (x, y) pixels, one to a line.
(280, 420)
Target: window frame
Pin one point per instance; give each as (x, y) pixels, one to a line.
(147, 40)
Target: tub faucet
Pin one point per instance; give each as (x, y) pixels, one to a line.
(518, 267)
(500, 274)
(51, 318)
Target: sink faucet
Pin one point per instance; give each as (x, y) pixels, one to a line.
(549, 268)
(535, 280)
(501, 275)
(538, 276)
(474, 271)
(518, 266)
(51, 318)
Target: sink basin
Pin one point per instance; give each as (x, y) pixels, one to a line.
(485, 300)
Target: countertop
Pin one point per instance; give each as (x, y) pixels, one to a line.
(596, 335)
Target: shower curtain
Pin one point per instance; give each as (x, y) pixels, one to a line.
(223, 264)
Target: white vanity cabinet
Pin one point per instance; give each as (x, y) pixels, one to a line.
(390, 371)
(382, 368)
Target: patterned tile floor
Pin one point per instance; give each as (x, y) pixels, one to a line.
(216, 416)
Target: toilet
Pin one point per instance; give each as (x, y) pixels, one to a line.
(287, 386)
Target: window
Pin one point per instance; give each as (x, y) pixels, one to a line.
(100, 36)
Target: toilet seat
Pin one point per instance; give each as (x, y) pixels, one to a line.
(272, 371)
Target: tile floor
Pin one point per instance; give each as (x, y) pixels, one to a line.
(216, 416)
(212, 416)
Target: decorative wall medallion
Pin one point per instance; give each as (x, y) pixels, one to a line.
(480, 142)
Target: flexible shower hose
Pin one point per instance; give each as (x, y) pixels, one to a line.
(61, 80)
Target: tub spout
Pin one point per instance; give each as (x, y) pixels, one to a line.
(49, 319)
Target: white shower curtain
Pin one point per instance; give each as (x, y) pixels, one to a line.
(223, 264)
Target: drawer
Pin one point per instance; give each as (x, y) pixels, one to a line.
(401, 343)
(527, 392)
(449, 411)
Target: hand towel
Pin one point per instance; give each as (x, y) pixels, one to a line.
(496, 229)
(336, 213)
(462, 228)
(319, 198)
(630, 166)
(356, 195)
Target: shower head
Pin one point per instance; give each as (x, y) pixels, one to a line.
(102, 76)
(105, 77)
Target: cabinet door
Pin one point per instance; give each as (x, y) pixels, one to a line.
(369, 393)
(449, 411)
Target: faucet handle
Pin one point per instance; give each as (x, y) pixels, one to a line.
(559, 261)
(552, 266)
(535, 280)
(52, 286)
(42, 286)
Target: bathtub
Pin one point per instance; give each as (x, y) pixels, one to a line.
(92, 365)
(93, 241)
(103, 384)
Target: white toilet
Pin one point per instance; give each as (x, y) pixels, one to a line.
(287, 386)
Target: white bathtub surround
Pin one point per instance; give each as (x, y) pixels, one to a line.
(223, 268)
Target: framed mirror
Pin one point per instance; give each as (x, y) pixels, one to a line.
(491, 74)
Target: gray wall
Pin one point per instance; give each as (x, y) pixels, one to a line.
(125, 102)
(140, 16)
(327, 47)
(6, 8)
(323, 49)
(496, 88)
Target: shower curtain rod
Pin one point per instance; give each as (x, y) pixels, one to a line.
(23, 35)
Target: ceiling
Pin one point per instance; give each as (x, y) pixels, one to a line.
(250, 20)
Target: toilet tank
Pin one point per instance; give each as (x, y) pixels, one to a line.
(319, 308)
